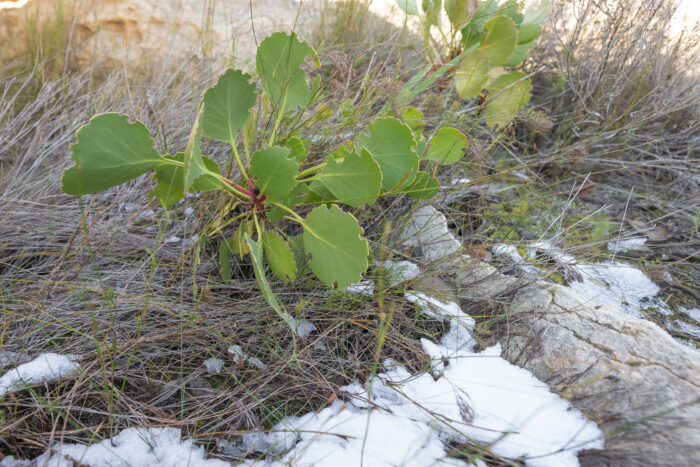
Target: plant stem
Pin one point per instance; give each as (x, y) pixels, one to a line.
(310, 170)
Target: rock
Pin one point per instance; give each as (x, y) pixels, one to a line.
(427, 231)
(627, 373)
(128, 32)
(640, 385)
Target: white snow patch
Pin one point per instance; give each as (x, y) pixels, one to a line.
(240, 356)
(173, 239)
(364, 287)
(623, 286)
(213, 365)
(46, 367)
(400, 271)
(634, 243)
(302, 327)
(135, 447)
(479, 396)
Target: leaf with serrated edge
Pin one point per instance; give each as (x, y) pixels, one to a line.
(109, 152)
(391, 144)
(446, 146)
(338, 251)
(355, 180)
(275, 172)
(227, 106)
(279, 256)
(278, 62)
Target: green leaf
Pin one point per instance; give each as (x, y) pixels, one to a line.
(256, 255)
(520, 54)
(391, 144)
(227, 106)
(497, 45)
(528, 32)
(414, 119)
(472, 74)
(423, 187)
(278, 63)
(109, 152)
(275, 172)
(409, 6)
(511, 9)
(446, 146)
(279, 256)
(297, 149)
(510, 93)
(338, 250)
(457, 12)
(432, 9)
(354, 181)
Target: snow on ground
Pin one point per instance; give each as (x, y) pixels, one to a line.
(406, 420)
(45, 367)
(618, 284)
(133, 447)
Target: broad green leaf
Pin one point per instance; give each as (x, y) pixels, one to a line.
(497, 45)
(510, 93)
(409, 6)
(446, 146)
(414, 119)
(520, 54)
(278, 63)
(355, 180)
(319, 189)
(472, 74)
(391, 144)
(275, 172)
(500, 41)
(227, 106)
(511, 8)
(423, 187)
(297, 149)
(256, 255)
(109, 152)
(457, 12)
(338, 250)
(528, 32)
(279, 256)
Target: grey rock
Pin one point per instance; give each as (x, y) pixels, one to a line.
(427, 231)
(640, 385)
